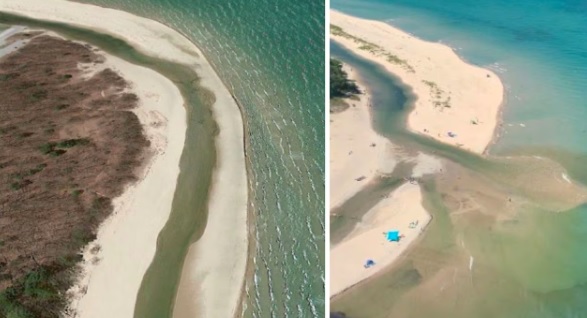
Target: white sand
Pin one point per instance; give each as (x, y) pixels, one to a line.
(128, 238)
(351, 153)
(368, 241)
(471, 94)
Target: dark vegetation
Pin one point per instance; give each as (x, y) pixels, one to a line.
(341, 88)
(340, 85)
(68, 145)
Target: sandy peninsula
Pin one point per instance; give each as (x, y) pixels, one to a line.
(128, 238)
(457, 103)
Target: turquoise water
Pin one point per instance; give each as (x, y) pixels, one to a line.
(270, 54)
(534, 265)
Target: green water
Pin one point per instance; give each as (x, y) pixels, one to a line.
(528, 262)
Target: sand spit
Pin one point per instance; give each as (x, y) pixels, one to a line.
(457, 103)
(128, 239)
(357, 153)
(402, 210)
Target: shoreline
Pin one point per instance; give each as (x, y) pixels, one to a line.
(351, 252)
(457, 103)
(229, 176)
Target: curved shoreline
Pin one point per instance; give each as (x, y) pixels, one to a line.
(453, 95)
(230, 178)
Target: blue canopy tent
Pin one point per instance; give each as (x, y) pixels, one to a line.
(393, 236)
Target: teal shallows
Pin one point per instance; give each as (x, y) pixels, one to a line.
(270, 54)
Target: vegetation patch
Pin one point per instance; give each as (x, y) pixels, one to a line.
(372, 48)
(29, 296)
(341, 87)
(54, 207)
(438, 97)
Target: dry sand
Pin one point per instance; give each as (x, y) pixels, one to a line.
(352, 154)
(368, 240)
(128, 238)
(437, 75)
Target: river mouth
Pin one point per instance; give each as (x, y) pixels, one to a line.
(496, 245)
(189, 211)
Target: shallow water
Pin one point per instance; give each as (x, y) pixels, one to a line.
(482, 255)
(270, 54)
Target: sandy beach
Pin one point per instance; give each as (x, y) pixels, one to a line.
(457, 103)
(356, 151)
(127, 239)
